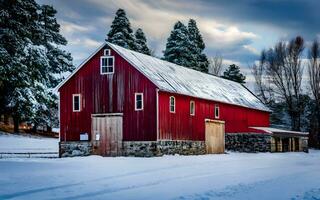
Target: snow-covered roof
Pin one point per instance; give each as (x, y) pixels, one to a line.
(177, 79)
(280, 131)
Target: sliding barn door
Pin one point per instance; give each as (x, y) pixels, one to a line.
(215, 136)
(107, 134)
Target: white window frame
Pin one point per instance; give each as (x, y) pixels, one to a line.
(192, 112)
(73, 108)
(101, 58)
(174, 104)
(216, 107)
(135, 101)
(107, 52)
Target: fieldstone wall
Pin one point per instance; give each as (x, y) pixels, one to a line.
(248, 142)
(159, 148)
(140, 148)
(183, 147)
(75, 148)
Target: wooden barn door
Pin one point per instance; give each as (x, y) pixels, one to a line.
(215, 141)
(107, 134)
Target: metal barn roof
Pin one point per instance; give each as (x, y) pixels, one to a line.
(182, 80)
(177, 79)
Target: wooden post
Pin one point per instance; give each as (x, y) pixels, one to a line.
(293, 144)
(289, 146)
(280, 145)
(273, 144)
(300, 144)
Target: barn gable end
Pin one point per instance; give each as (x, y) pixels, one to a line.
(109, 93)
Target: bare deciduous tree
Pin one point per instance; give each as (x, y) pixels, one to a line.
(314, 81)
(264, 91)
(283, 69)
(215, 65)
(314, 71)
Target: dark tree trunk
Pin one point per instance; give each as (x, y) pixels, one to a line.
(16, 124)
(318, 129)
(49, 129)
(295, 121)
(6, 119)
(34, 128)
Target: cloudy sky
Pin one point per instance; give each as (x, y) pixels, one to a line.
(238, 30)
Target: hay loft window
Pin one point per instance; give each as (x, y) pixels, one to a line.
(76, 103)
(192, 108)
(138, 101)
(107, 52)
(172, 102)
(107, 65)
(216, 111)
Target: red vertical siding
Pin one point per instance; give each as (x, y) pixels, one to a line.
(182, 126)
(108, 94)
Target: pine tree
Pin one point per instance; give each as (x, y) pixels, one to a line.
(17, 23)
(199, 59)
(141, 42)
(233, 73)
(59, 61)
(30, 59)
(121, 33)
(178, 46)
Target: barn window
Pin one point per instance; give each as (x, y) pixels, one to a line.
(192, 108)
(107, 52)
(107, 65)
(216, 111)
(172, 102)
(138, 101)
(76, 101)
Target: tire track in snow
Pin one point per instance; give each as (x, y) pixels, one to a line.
(113, 177)
(144, 185)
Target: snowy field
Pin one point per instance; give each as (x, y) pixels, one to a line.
(229, 176)
(27, 143)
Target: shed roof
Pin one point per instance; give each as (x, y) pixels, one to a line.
(277, 131)
(182, 80)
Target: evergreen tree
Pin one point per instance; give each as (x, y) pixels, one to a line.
(199, 59)
(233, 73)
(141, 42)
(30, 59)
(178, 46)
(121, 33)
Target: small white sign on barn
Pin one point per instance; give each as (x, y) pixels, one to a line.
(97, 136)
(84, 136)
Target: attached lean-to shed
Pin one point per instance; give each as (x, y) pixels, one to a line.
(120, 102)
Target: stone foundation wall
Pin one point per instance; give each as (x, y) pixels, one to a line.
(184, 147)
(140, 149)
(153, 148)
(248, 142)
(137, 148)
(75, 148)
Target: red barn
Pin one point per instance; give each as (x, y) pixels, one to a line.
(120, 102)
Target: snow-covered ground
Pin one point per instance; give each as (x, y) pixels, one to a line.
(27, 143)
(229, 176)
